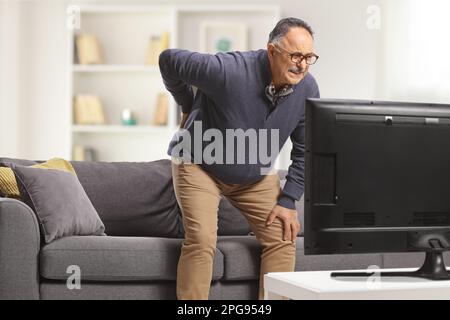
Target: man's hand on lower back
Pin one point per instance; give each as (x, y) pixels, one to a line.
(289, 220)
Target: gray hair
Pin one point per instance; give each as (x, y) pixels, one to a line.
(284, 25)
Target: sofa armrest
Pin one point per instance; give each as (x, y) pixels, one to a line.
(19, 251)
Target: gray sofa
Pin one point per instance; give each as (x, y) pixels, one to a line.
(138, 257)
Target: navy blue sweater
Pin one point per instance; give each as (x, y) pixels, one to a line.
(231, 95)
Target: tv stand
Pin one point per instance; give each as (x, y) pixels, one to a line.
(433, 268)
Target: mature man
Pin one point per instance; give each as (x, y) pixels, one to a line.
(263, 89)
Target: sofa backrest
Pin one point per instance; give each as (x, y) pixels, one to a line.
(137, 198)
(132, 198)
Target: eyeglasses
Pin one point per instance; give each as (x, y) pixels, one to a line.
(297, 57)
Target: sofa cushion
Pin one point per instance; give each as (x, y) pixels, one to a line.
(59, 201)
(132, 198)
(116, 258)
(242, 259)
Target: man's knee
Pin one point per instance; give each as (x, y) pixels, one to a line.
(280, 245)
(201, 240)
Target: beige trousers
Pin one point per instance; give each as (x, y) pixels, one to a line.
(198, 195)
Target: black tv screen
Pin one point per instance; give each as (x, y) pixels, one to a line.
(377, 176)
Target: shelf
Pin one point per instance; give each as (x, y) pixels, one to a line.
(115, 68)
(122, 129)
(123, 81)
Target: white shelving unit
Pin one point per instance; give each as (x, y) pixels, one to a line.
(125, 82)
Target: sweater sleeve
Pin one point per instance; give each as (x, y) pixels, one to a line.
(181, 69)
(295, 179)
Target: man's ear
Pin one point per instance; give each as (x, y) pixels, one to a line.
(270, 50)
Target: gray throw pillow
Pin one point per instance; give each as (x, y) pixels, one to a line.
(59, 201)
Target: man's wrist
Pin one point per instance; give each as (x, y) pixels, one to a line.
(286, 202)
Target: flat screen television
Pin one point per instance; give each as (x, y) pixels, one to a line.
(377, 179)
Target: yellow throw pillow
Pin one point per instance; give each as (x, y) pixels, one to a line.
(8, 184)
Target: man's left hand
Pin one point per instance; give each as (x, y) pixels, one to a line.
(289, 220)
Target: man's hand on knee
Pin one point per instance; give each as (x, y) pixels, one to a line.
(289, 219)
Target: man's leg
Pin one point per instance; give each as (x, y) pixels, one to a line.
(256, 202)
(198, 197)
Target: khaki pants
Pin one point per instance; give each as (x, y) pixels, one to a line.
(198, 195)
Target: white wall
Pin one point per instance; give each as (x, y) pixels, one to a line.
(9, 77)
(416, 51)
(45, 69)
(33, 79)
(348, 50)
(33, 66)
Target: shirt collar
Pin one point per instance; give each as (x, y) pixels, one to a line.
(274, 95)
(285, 90)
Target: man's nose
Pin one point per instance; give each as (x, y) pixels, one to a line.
(302, 65)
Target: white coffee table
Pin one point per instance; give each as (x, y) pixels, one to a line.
(318, 285)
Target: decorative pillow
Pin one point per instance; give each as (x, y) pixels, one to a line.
(8, 184)
(59, 201)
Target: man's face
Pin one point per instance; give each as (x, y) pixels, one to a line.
(284, 71)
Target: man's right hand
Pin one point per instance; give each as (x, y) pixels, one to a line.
(184, 117)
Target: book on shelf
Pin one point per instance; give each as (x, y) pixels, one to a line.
(156, 45)
(88, 109)
(83, 153)
(161, 110)
(88, 49)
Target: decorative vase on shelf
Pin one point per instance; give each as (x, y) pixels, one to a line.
(127, 118)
